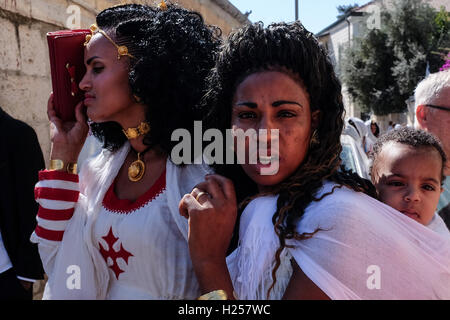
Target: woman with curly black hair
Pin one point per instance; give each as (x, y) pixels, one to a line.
(310, 229)
(114, 232)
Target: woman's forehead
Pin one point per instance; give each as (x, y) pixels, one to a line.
(101, 47)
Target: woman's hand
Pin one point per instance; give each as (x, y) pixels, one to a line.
(211, 210)
(212, 216)
(67, 137)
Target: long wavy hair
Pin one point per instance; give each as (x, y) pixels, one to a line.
(281, 47)
(174, 52)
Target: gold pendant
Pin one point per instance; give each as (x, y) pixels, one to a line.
(136, 170)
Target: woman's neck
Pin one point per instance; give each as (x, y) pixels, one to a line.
(152, 155)
(138, 144)
(265, 189)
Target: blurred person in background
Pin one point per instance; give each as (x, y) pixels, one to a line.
(20, 161)
(372, 134)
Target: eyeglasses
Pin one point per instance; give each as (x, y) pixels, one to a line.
(438, 107)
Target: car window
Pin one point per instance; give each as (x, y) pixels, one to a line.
(347, 158)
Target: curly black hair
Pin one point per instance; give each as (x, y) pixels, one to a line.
(174, 52)
(412, 137)
(291, 49)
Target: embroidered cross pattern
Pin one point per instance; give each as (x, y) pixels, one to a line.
(114, 255)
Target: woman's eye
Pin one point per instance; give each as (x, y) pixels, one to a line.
(97, 69)
(286, 114)
(246, 115)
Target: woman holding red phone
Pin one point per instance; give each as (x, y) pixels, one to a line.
(113, 231)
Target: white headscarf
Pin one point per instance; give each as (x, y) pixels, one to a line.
(361, 129)
(360, 126)
(370, 138)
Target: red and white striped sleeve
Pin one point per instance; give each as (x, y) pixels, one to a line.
(57, 193)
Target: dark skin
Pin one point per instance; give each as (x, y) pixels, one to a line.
(302, 288)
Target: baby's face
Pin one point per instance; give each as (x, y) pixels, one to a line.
(409, 179)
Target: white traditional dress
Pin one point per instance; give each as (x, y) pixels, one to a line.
(367, 251)
(119, 249)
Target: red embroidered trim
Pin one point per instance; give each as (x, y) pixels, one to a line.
(55, 215)
(125, 206)
(57, 175)
(49, 234)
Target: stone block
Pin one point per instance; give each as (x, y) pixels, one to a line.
(9, 48)
(87, 4)
(189, 4)
(50, 11)
(33, 51)
(87, 18)
(22, 7)
(103, 4)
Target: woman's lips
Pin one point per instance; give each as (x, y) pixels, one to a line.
(88, 98)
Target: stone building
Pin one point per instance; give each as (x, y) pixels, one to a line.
(25, 81)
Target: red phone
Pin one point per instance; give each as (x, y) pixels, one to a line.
(66, 50)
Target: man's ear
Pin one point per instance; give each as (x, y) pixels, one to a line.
(422, 116)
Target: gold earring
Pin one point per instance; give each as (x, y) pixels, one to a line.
(162, 6)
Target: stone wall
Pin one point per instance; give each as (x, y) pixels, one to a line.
(220, 13)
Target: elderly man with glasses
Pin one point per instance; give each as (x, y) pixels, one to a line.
(432, 100)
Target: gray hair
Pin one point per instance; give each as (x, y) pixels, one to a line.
(431, 88)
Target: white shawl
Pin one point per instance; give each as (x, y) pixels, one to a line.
(370, 251)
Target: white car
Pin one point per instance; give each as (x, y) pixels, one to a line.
(353, 157)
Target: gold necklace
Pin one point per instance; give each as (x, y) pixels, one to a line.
(137, 168)
(133, 133)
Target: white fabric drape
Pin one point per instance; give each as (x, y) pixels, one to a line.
(368, 251)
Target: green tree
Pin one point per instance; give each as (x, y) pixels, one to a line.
(441, 36)
(345, 9)
(382, 68)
